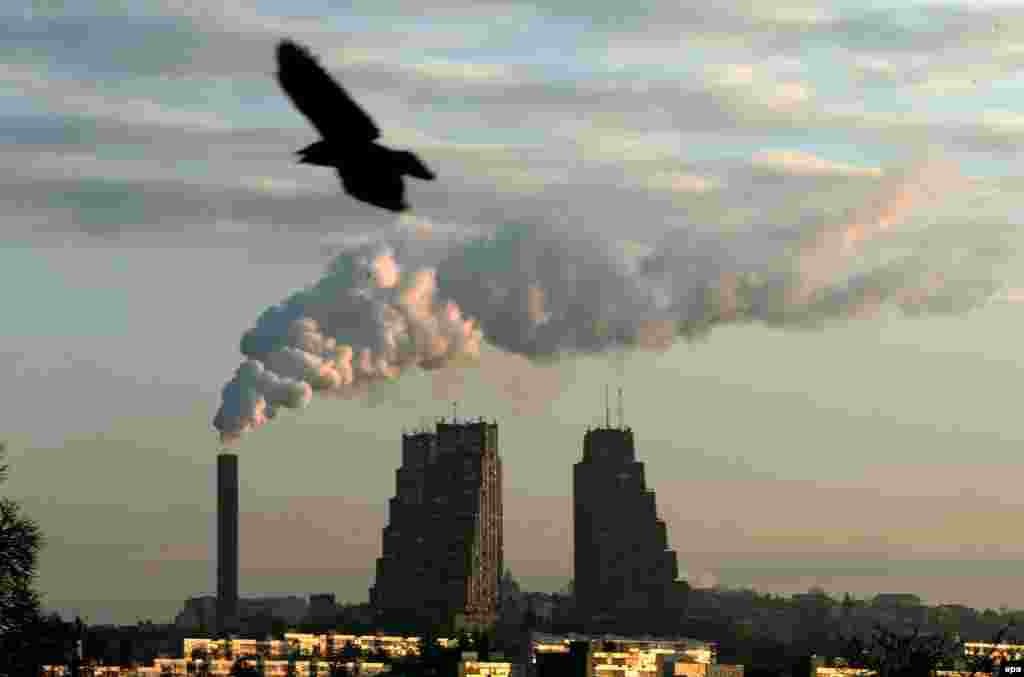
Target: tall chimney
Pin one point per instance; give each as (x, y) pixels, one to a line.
(227, 543)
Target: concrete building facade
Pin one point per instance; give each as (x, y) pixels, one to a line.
(624, 572)
(441, 558)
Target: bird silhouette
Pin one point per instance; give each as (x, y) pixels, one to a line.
(368, 171)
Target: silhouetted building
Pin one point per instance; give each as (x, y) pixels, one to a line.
(442, 548)
(816, 619)
(227, 542)
(323, 609)
(199, 613)
(625, 575)
(900, 609)
(291, 609)
(511, 601)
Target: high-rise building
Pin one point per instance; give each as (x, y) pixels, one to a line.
(227, 542)
(625, 574)
(442, 548)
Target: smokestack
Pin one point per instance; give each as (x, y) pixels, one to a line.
(227, 542)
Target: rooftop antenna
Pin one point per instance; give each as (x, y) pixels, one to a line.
(455, 412)
(607, 409)
(622, 423)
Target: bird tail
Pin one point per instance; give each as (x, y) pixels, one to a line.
(411, 165)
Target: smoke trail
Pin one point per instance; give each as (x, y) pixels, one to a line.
(540, 294)
(594, 300)
(822, 256)
(1007, 295)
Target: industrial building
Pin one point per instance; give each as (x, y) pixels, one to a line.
(625, 574)
(441, 558)
(198, 613)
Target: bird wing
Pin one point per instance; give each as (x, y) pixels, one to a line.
(319, 97)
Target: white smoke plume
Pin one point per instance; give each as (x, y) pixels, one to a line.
(365, 321)
(545, 294)
(541, 294)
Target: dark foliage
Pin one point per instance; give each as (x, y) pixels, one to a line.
(20, 542)
(894, 654)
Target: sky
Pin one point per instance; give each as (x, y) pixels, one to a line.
(787, 231)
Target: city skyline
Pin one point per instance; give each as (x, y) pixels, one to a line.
(824, 197)
(97, 613)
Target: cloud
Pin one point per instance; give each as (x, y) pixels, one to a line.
(788, 94)
(799, 162)
(596, 150)
(447, 70)
(74, 97)
(645, 145)
(681, 182)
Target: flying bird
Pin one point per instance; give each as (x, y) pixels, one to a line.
(368, 171)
